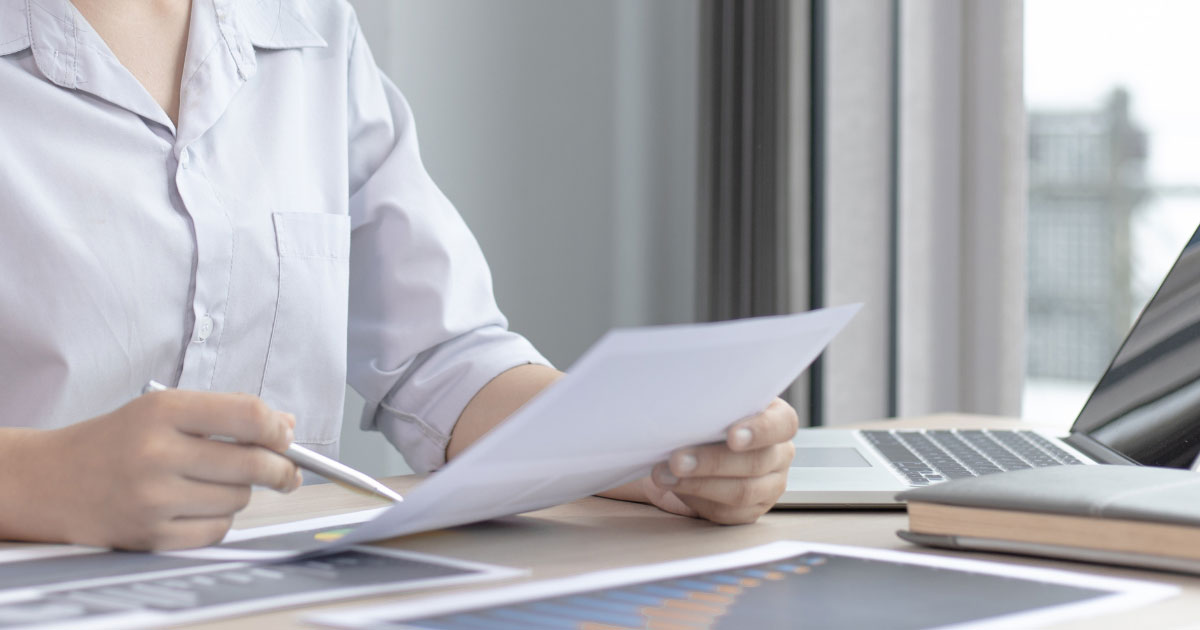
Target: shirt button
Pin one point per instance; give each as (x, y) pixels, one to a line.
(185, 159)
(204, 328)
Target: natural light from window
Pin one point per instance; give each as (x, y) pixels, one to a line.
(1114, 179)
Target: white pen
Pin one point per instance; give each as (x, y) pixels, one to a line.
(330, 469)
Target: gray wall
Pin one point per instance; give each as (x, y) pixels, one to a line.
(565, 132)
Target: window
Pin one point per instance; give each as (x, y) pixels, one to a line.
(1114, 180)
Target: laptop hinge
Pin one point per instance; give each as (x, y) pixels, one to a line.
(1098, 451)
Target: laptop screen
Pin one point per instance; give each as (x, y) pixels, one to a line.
(1147, 405)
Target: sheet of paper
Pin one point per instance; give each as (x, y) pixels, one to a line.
(272, 542)
(776, 586)
(221, 589)
(61, 586)
(74, 566)
(634, 397)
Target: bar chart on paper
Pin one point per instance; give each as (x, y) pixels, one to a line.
(65, 587)
(810, 590)
(693, 602)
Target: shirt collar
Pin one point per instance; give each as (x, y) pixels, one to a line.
(221, 53)
(267, 24)
(279, 24)
(246, 24)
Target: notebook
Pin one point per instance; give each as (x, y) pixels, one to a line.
(1144, 410)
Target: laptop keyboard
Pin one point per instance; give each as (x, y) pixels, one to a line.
(925, 457)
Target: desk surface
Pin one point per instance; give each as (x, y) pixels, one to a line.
(593, 534)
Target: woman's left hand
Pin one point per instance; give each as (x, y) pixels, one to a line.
(730, 482)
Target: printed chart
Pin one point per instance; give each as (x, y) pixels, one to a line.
(819, 587)
(110, 589)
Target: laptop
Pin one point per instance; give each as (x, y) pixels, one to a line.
(1144, 411)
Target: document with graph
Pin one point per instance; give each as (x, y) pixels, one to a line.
(66, 586)
(781, 585)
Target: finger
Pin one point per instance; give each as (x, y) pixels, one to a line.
(185, 533)
(243, 417)
(199, 499)
(180, 533)
(732, 491)
(717, 460)
(777, 423)
(211, 461)
(665, 499)
(725, 514)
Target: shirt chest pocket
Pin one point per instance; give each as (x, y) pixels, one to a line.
(305, 371)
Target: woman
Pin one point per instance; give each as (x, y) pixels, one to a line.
(227, 195)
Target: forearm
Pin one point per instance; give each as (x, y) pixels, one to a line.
(497, 401)
(23, 507)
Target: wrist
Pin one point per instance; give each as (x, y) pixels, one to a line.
(26, 493)
(633, 491)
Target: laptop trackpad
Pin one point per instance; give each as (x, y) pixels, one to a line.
(828, 457)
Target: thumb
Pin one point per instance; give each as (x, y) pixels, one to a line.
(666, 500)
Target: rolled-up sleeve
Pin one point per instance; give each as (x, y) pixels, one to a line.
(425, 333)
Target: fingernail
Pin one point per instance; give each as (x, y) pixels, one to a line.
(685, 463)
(741, 438)
(665, 478)
(289, 435)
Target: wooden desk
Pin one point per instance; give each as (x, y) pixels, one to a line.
(593, 533)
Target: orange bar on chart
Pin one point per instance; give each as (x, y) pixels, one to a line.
(696, 606)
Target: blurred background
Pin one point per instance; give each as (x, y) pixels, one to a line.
(1114, 165)
(1002, 183)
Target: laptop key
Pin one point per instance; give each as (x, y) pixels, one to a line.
(1051, 448)
(971, 458)
(958, 473)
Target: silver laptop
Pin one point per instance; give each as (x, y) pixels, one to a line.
(1145, 410)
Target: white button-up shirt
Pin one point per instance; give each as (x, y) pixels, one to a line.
(282, 240)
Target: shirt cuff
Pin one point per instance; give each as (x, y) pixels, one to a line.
(420, 413)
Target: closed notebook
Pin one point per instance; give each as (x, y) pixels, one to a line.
(1129, 515)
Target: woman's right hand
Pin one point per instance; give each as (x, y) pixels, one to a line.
(146, 476)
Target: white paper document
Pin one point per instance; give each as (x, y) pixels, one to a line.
(64, 567)
(65, 587)
(784, 584)
(633, 398)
